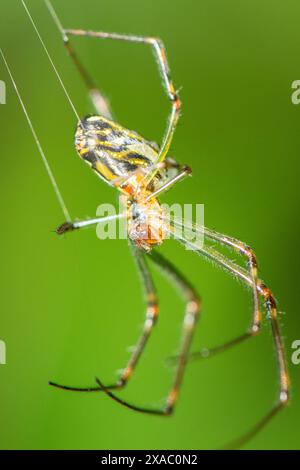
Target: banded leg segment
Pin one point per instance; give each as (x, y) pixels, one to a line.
(190, 318)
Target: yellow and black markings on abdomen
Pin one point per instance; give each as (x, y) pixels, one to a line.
(110, 149)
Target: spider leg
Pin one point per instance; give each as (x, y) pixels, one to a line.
(161, 56)
(205, 353)
(190, 318)
(183, 172)
(167, 164)
(193, 307)
(243, 249)
(125, 403)
(270, 304)
(99, 101)
(151, 317)
(70, 226)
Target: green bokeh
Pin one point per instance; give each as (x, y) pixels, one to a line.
(71, 306)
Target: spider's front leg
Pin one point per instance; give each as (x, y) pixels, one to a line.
(99, 100)
(70, 226)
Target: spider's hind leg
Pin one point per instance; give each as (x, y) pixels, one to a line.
(190, 318)
(261, 293)
(255, 325)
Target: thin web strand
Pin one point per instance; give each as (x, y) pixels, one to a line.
(51, 62)
(56, 19)
(44, 159)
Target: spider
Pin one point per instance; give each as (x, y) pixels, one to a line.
(141, 171)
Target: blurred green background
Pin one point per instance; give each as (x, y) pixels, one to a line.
(71, 306)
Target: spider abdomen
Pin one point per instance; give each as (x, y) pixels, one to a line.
(112, 151)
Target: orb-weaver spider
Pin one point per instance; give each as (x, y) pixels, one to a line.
(140, 171)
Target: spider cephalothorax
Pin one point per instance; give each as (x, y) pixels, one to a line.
(147, 225)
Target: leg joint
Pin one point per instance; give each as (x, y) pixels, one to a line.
(268, 296)
(192, 312)
(127, 372)
(152, 310)
(255, 328)
(171, 402)
(187, 169)
(151, 316)
(155, 41)
(193, 307)
(284, 397)
(176, 101)
(247, 251)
